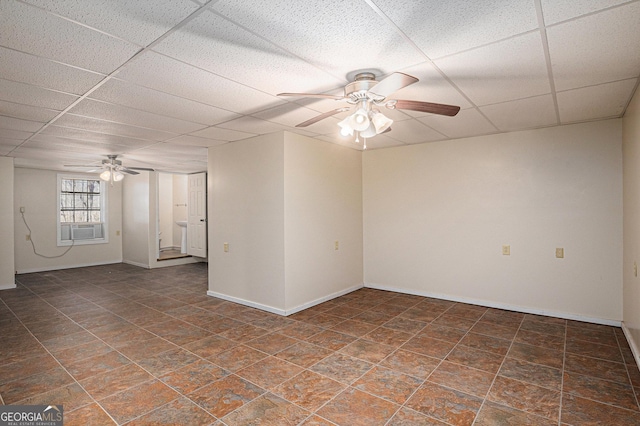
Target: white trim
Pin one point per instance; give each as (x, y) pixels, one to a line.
(247, 303)
(141, 265)
(282, 312)
(487, 303)
(323, 299)
(7, 286)
(632, 344)
(57, 268)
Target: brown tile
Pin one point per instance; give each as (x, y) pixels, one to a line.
(168, 361)
(475, 358)
(411, 363)
(90, 415)
(187, 379)
(427, 346)
(244, 333)
(526, 397)
(271, 343)
(486, 343)
(537, 354)
(447, 405)
(301, 330)
(422, 313)
(268, 321)
(69, 341)
(553, 329)
(316, 421)
(269, 372)
(30, 366)
(540, 375)
(373, 317)
(540, 339)
(238, 357)
(98, 364)
(102, 385)
(604, 391)
(368, 351)
(342, 368)
(406, 325)
(603, 335)
(268, 410)
(209, 346)
(388, 384)
(596, 368)
(309, 390)
(178, 412)
(222, 325)
(324, 320)
(449, 320)
(134, 402)
(493, 330)
(225, 395)
(70, 396)
(594, 350)
(356, 408)
(331, 340)
(442, 332)
(407, 417)
(353, 327)
(493, 414)
(464, 310)
(179, 333)
(465, 379)
(580, 411)
(344, 311)
(303, 354)
(137, 351)
(78, 353)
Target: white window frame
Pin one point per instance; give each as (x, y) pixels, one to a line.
(104, 199)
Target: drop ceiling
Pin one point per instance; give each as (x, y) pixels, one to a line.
(160, 81)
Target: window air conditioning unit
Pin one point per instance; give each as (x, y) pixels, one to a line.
(83, 232)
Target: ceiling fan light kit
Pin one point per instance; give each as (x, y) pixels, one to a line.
(113, 169)
(365, 92)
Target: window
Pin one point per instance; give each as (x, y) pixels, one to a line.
(81, 210)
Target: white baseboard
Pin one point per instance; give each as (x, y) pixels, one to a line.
(632, 344)
(58, 268)
(246, 303)
(283, 312)
(131, 262)
(7, 286)
(490, 304)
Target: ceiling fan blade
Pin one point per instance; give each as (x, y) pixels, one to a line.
(441, 109)
(84, 166)
(321, 117)
(312, 95)
(392, 84)
(145, 169)
(125, 170)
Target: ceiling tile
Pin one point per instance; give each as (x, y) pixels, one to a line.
(171, 76)
(522, 114)
(222, 134)
(27, 112)
(139, 21)
(596, 49)
(289, 114)
(49, 156)
(612, 98)
(14, 134)
(337, 36)
(555, 11)
(253, 125)
(75, 123)
(30, 69)
(145, 99)
(512, 69)
(6, 142)
(442, 28)
(35, 96)
(18, 124)
(468, 122)
(51, 142)
(55, 38)
(195, 141)
(134, 117)
(215, 44)
(413, 131)
(382, 141)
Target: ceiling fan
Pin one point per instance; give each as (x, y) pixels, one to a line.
(366, 94)
(113, 170)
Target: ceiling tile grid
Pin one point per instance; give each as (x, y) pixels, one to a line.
(160, 81)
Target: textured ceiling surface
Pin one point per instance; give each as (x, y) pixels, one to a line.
(159, 81)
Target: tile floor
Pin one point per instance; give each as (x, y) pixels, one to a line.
(118, 344)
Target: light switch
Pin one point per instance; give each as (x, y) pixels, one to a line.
(635, 269)
(506, 250)
(336, 245)
(226, 247)
(559, 253)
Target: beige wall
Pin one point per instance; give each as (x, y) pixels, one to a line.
(246, 209)
(36, 191)
(322, 204)
(631, 293)
(436, 216)
(7, 250)
(165, 209)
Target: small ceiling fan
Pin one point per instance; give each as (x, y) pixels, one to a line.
(113, 170)
(366, 94)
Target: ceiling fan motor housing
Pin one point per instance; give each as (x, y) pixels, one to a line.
(357, 89)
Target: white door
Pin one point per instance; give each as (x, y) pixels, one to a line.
(197, 216)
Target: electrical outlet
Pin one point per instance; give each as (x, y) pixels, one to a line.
(560, 253)
(635, 269)
(226, 247)
(117, 233)
(506, 250)
(27, 237)
(336, 245)
(21, 209)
